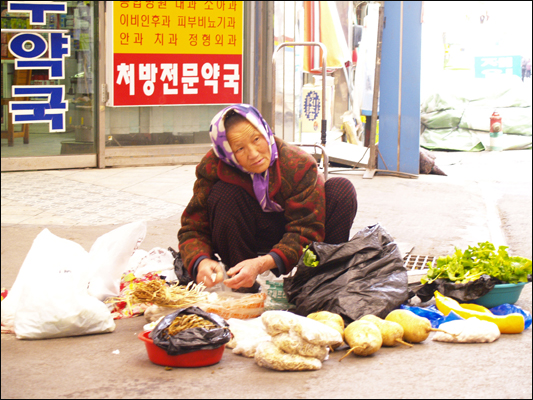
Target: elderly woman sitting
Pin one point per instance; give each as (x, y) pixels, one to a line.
(257, 202)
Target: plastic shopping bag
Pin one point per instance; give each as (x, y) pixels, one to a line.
(272, 285)
(506, 309)
(235, 305)
(9, 304)
(433, 314)
(109, 257)
(247, 334)
(50, 298)
(365, 275)
(229, 304)
(192, 339)
(156, 260)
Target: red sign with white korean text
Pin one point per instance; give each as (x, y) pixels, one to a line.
(176, 53)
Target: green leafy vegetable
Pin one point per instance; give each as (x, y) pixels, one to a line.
(463, 267)
(310, 258)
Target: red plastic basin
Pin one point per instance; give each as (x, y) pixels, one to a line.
(200, 358)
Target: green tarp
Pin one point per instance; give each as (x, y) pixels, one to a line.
(457, 115)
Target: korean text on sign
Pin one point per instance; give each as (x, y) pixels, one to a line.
(179, 79)
(29, 48)
(177, 52)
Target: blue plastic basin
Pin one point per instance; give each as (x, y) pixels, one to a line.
(507, 293)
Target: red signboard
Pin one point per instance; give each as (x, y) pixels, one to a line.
(175, 53)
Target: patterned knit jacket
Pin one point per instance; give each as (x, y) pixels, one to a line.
(294, 183)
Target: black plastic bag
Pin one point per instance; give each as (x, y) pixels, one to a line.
(365, 275)
(193, 339)
(462, 292)
(181, 272)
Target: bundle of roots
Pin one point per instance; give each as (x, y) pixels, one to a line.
(160, 293)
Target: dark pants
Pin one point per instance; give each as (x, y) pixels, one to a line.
(242, 230)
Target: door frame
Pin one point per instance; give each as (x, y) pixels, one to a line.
(68, 161)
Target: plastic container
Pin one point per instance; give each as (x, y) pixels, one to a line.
(507, 293)
(200, 358)
(238, 305)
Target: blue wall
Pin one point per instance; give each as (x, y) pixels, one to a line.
(410, 90)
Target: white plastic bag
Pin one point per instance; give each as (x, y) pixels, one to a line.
(247, 334)
(235, 305)
(471, 330)
(109, 257)
(10, 303)
(135, 259)
(312, 331)
(51, 293)
(228, 304)
(277, 322)
(351, 130)
(291, 343)
(156, 260)
(273, 287)
(268, 355)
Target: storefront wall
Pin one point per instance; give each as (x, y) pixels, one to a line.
(166, 119)
(99, 135)
(96, 134)
(64, 40)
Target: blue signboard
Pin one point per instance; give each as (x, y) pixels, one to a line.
(498, 65)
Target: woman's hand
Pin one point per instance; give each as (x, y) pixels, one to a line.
(206, 269)
(245, 273)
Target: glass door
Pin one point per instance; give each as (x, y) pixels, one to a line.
(51, 57)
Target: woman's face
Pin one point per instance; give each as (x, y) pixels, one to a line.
(250, 147)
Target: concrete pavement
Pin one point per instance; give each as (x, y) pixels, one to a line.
(486, 196)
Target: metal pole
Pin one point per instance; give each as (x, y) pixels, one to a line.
(283, 77)
(400, 89)
(372, 161)
(100, 140)
(294, 79)
(324, 66)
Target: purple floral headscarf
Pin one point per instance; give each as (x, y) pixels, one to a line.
(223, 150)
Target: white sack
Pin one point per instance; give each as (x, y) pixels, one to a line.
(471, 330)
(109, 257)
(51, 298)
